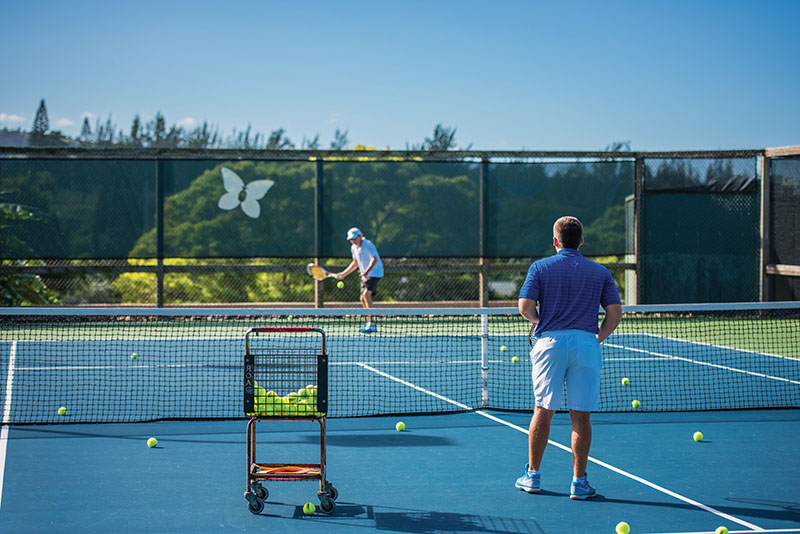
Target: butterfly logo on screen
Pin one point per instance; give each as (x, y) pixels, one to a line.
(253, 192)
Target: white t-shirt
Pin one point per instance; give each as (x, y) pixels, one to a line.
(364, 254)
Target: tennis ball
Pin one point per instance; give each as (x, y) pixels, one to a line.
(721, 530)
(502, 348)
(309, 508)
(623, 528)
(292, 397)
(625, 381)
(698, 436)
(290, 318)
(62, 411)
(134, 356)
(400, 426)
(514, 359)
(636, 404)
(152, 442)
(340, 284)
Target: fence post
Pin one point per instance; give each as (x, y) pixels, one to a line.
(318, 176)
(483, 277)
(764, 280)
(159, 234)
(638, 227)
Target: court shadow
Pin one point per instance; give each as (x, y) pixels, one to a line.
(414, 521)
(787, 511)
(399, 439)
(430, 522)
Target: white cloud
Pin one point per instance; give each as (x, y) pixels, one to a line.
(11, 117)
(187, 123)
(334, 118)
(63, 122)
(88, 115)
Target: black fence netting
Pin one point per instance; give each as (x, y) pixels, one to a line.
(785, 223)
(700, 230)
(107, 209)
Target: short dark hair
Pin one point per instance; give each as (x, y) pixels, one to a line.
(569, 232)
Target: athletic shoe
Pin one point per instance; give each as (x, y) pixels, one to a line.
(369, 329)
(529, 483)
(581, 490)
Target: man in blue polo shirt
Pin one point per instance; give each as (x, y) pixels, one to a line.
(570, 290)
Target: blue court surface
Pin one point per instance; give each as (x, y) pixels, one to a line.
(445, 473)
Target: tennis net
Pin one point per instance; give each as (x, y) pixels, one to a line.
(189, 362)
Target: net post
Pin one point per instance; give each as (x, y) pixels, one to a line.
(484, 360)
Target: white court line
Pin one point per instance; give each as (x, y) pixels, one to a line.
(769, 531)
(707, 364)
(567, 449)
(6, 416)
(705, 344)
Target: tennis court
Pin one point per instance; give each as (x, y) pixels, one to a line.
(465, 402)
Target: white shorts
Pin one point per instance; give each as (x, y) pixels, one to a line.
(571, 355)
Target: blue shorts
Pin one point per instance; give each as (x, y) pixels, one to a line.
(567, 355)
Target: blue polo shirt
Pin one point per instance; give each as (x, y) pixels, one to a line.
(570, 290)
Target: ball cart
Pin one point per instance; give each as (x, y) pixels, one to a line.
(285, 379)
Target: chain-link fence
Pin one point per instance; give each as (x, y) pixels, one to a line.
(179, 228)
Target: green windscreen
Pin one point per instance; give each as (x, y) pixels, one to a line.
(74, 208)
(700, 239)
(524, 200)
(107, 208)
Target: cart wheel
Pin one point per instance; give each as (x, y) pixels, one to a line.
(333, 493)
(256, 506)
(326, 505)
(261, 492)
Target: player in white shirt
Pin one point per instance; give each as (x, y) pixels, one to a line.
(368, 262)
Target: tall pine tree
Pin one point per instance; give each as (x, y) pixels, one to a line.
(41, 123)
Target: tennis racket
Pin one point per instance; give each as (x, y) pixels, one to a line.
(531, 336)
(318, 272)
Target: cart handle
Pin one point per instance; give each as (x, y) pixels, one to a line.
(285, 329)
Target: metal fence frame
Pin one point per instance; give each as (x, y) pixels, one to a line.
(481, 264)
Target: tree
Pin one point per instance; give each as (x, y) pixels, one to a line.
(136, 135)
(86, 131)
(340, 141)
(443, 139)
(277, 141)
(41, 123)
(310, 144)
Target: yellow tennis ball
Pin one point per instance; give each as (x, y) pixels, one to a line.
(721, 530)
(400, 426)
(514, 359)
(290, 318)
(698, 436)
(309, 508)
(340, 284)
(503, 348)
(636, 404)
(626, 381)
(623, 528)
(62, 411)
(152, 442)
(134, 356)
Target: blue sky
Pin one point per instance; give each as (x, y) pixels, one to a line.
(508, 75)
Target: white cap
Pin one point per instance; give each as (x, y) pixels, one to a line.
(353, 233)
